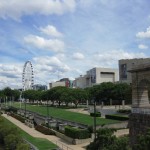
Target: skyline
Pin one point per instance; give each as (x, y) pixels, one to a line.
(65, 38)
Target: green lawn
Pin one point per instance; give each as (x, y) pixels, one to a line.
(40, 143)
(67, 115)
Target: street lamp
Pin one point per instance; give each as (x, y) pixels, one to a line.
(47, 113)
(94, 117)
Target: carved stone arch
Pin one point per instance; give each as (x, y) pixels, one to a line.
(139, 120)
(143, 99)
(140, 83)
(145, 82)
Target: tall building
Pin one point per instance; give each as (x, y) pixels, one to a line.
(127, 64)
(96, 76)
(62, 82)
(39, 87)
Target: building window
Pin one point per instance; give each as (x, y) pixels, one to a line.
(123, 71)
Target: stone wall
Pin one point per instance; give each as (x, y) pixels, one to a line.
(138, 124)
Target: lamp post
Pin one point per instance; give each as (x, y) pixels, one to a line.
(47, 114)
(94, 118)
(24, 104)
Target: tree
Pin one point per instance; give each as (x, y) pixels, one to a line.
(122, 91)
(23, 146)
(16, 94)
(67, 96)
(11, 141)
(143, 142)
(103, 92)
(78, 96)
(121, 143)
(7, 91)
(106, 140)
(31, 95)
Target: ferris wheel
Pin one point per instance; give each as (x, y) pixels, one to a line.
(27, 76)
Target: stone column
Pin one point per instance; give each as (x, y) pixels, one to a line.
(110, 102)
(123, 104)
(87, 103)
(102, 105)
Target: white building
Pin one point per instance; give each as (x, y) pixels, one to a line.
(96, 76)
(58, 83)
(39, 87)
(127, 64)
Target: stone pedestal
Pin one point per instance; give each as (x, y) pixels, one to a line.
(123, 104)
(138, 124)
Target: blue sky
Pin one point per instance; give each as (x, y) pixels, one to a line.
(65, 38)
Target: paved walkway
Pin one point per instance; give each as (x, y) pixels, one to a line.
(122, 132)
(56, 140)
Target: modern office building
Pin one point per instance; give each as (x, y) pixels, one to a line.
(127, 64)
(62, 82)
(39, 87)
(96, 76)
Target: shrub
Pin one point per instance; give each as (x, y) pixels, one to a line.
(76, 133)
(11, 141)
(23, 146)
(125, 111)
(117, 117)
(97, 114)
(90, 129)
(18, 117)
(44, 130)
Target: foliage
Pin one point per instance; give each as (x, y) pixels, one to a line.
(97, 114)
(121, 143)
(124, 111)
(32, 95)
(105, 140)
(22, 146)
(76, 133)
(117, 117)
(7, 91)
(44, 130)
(40, 143)
(143, 142)
(102, 92)
(9, 135)
(18, 117)
(11, 141)
(108, 90)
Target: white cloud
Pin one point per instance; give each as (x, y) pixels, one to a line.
(52, 64)
(42, 43)
(109, 59)
(142, 46)
(144, 34)
(15, 9)
(78, 56)
(51, 30)
(10, 75)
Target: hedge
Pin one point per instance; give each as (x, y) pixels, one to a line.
(126, 111)
(76, 133)
(97, 114)
(117, 117)
(44, 130)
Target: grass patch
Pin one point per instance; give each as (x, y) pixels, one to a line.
(66, 115)
(40, 143)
